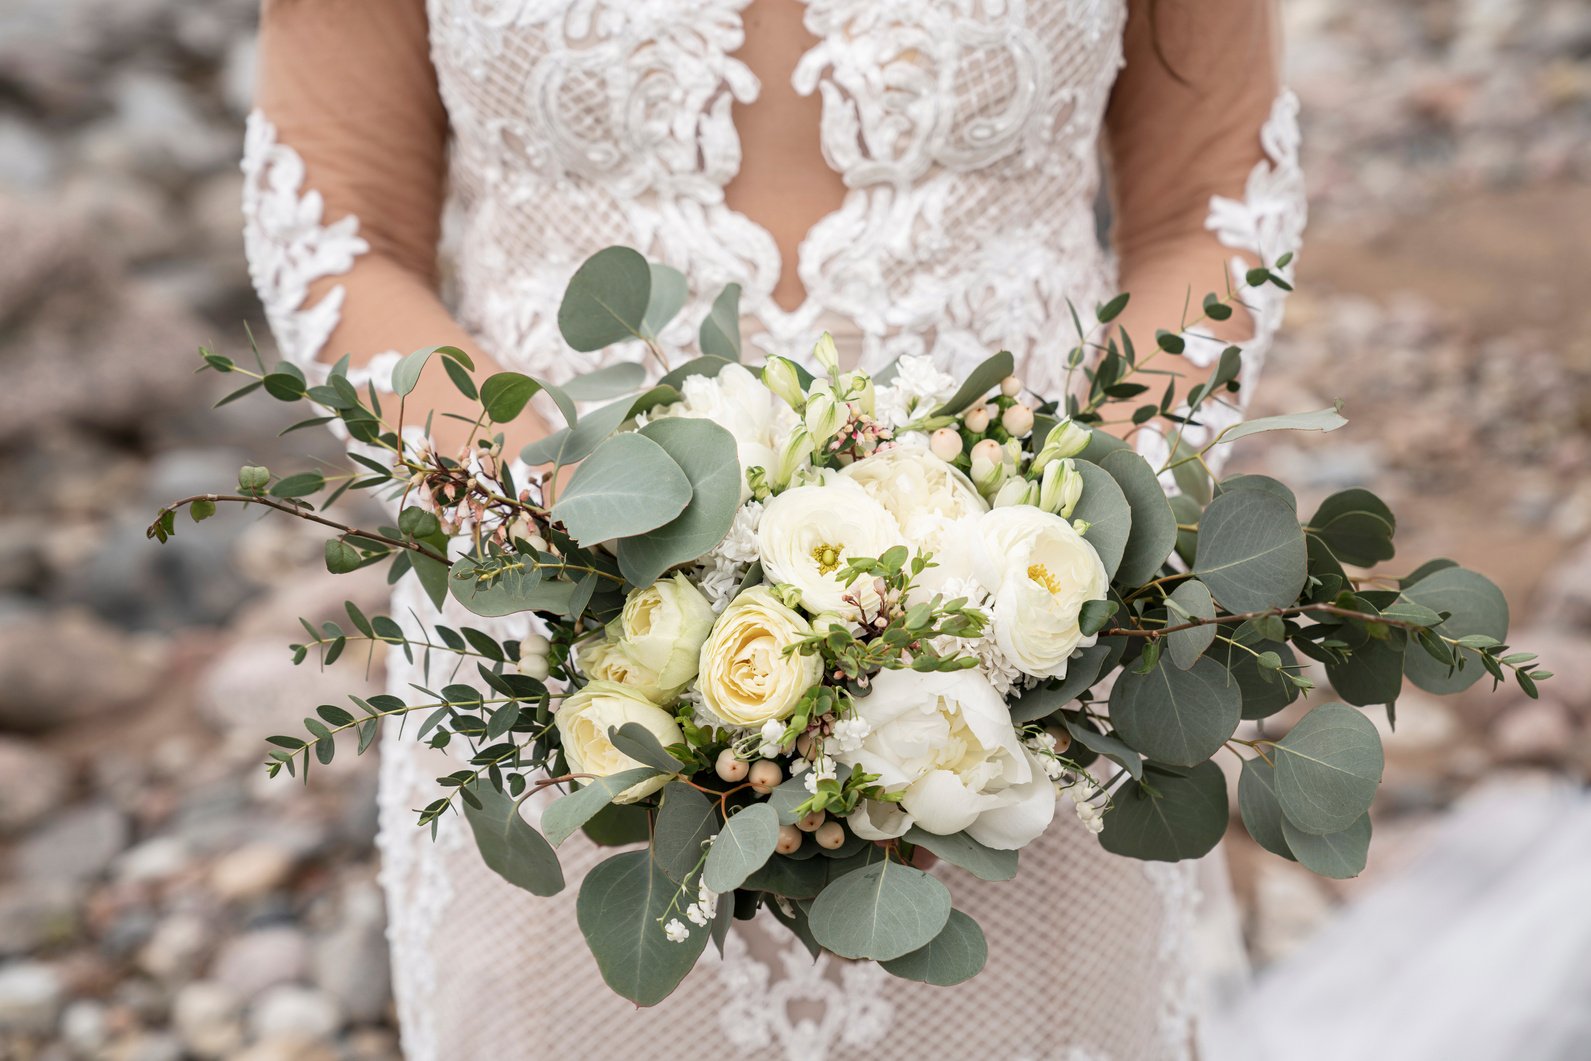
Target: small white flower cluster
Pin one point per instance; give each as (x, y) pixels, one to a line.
(820, 767)
(919, 387)
(993, 663)
(676, 931)
(702, 911)
(847, 734)
(1076, 784)
(722, 569)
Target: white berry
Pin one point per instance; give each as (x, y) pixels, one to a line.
(1011, 386)
(765, 776)
(830, 835)
(789, 840)
(730, 768)
(810, 823)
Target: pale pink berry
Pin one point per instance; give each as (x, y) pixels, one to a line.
(730, 768)
(810, 823)
(830, 835)
(945, 443)
(789, 840)
(765, 776)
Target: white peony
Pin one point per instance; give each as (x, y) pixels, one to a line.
(926, 496)
(919, 387)
(1040, 571)
(808, 533)
(946, 743)
(747, 678)
(738, 402)
(583, 723)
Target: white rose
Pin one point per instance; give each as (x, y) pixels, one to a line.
(747, 678)
(661, 630)
(738, 402)
(808, 533)
(946, 743)
(1039, 571)
(583, 723)
(925, 495)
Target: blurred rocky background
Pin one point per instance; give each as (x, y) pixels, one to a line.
(159, 899)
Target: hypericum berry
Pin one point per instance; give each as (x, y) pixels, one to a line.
(1018, 420)
(977, 419)
(804, 746)
(765, 776)
(810, 823)
(730, 768)
(789, 840)
(945, 443)
(1011, 386)
(533, 666)
(830, 835)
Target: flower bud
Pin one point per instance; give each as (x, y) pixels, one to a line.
(977, 419)
(826, 354)
(1014, 492)
(1066, 439)
(1060, 488)
(857, 389)
(794, 455)
(1011, 386)
(780, 376)
(824, 415)
(945, 443)
(1018, 420)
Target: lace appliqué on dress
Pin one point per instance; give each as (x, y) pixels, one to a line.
(808, 1011)
(290, 246)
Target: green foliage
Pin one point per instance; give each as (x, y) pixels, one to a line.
(745, 844)
(720, 332)
(606, 300)
(1251, 551)
(954, 956)
(707, 455)
(569, 812)
(664, 300)
(686, 820)
(509, 846)
(883, 911)
(628, 486)
(1327, 769)
(621, 908)
(1175, 716)
(1190, 601)
(961, 850)
(1167, 817)
(1338, 855)
(1153, 529)
(1357, 526)
(1475, 608)
(1104, 508)
(979, 382)
(1260, 808)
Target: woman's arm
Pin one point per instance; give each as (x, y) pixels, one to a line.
(344, 177)
(1203, 149)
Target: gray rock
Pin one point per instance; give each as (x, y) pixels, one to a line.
(351, 962)
(290, 1010)
(75, 845)
(156, 859)
(32, 782)
(176, 948)
(47, 683)
(251, 871)
(30, 998)
(263, 958)
(208, 1017)
(85, 1028)
(34, 914)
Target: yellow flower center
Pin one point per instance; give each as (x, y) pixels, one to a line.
(1041, 574)
(827, 558)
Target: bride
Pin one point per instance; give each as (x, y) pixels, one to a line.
(915, 176)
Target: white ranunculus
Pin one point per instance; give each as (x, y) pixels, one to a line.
(583, 723)
(738, 402)
(926, 496)
(946, 743)
(747, 678)
(808, 533)
(661, 631)
(1040, 571)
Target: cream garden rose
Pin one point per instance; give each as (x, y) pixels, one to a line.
(584, 720)
(655, 643)
(807, 533)
(747, 678)
(945, 742)
(1040, 571)
(926, 496)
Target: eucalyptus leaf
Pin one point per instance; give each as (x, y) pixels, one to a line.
(720, 331)
(1251, 551)
(610, 381)
(744, 844)
(509, 846)
(640, 744)
(979, 381)
(1153, 533)
(621, 909)
(686, 820)
(1108, 746)
(506, 595)
(789, 795)
(1105, 508)
(1357, 526)
(1319, 420)
(1328, 768)
(627, 486)
(700, 366)
(959, 849)
(710, 459)
(1082, 671)
(406, 373)
(1186, 646)
(881, 912)
(954, 956)
(1338, 855)
(606, 300)
(1372, 673)
(505, 395)
(1168, 817)
(572, 444)
(1260, 808)
(664, 300)
(1263, 694)
(1476, 605)
(1260, 482)
(1181, 717)
(569, 812)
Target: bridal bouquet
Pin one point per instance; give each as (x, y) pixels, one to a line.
(779, 629)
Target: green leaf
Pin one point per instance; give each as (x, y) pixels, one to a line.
(341, 557)
(1105, 508)
(1181, 717)
(433, 577)
(301, 485)
(1251, 551)
(509, 846)
(1112, 309)
(708, 456)
(606, 300)
(629, 485)
(685, 821)
(979, 382)
(959, 849)
(1327, 769)
(575, 443)
(789, 795)
(252, 478)
(1357, 526)
(406, 373)
(1095, 615)
(569, 812)
(1186, 646)
(1261, 810)
(720, 331)
(1476, 605)
(1168, 817)
(1263, 694)
(699, 366)
(1153, 533)
(1319, 420)
(1338, 855)
(1261, 482)
(638, 742)
(508, 594)
(883, 911)
(619, 825)
(621, 910)
(1082, 671)
(418, 523)
(505, 395)
(954, 956)
(743, 845)
(201, 510)
(624, 377)
(1106, 745)
(1373, 671)
(665, 299)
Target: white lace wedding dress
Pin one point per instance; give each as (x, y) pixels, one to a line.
(967, 133)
